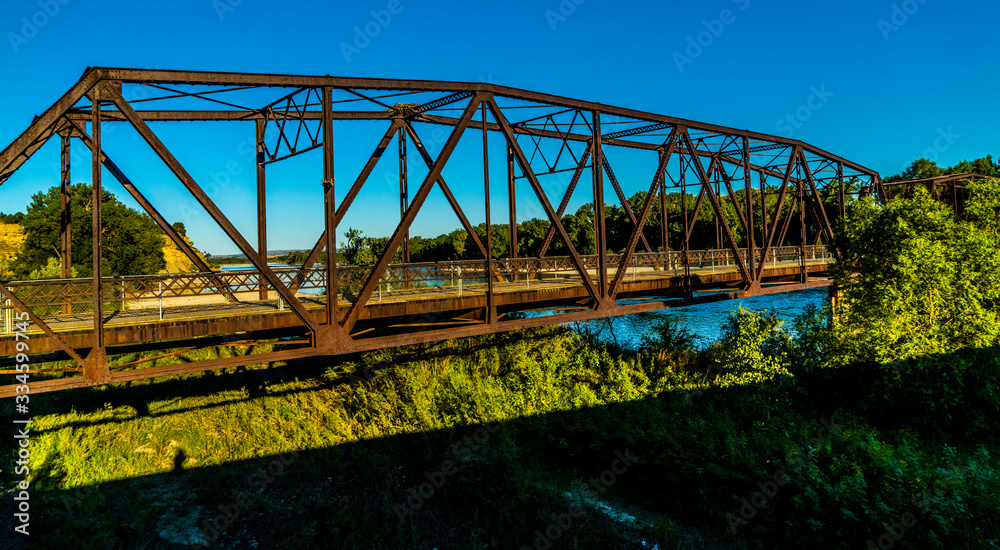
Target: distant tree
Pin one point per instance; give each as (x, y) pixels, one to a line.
(919, 169)
(131, 244)
(180, 229)
(984, 166)
(16, 217)
(358, 250)
(51, 270)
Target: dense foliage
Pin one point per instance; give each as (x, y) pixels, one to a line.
(131, 244)
(917, 280)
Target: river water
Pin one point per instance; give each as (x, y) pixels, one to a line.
(705, 321)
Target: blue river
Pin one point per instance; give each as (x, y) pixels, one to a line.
(705, 321)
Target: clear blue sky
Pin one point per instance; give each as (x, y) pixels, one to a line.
(890, 89)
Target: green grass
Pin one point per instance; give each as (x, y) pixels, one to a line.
(325, 455)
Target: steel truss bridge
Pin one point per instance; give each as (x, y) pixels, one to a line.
(535, 137)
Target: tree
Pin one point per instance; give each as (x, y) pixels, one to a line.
(916, 280)
(358, 250)
(131, 242)
(984, 207)
(180, 229)
(983, 166)
(918, 169)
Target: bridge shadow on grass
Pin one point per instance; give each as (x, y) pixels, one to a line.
(474, 486)
(678, 463)
(168, 393)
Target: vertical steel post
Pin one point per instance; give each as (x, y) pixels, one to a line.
(843, 197)
(96, 366)
(718, 228)
(96, 223)
(748, 189)
(763, 211)
(802, 226)
(491, 314)
(512, 199)
(261, 204)
(65, 216)
(687, 238)
(404, 194)
(330, 213)
(664, 228)
(600, 235)
(65, 209)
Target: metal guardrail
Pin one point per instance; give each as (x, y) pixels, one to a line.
(67, 297)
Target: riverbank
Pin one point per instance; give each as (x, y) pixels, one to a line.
(535, 439)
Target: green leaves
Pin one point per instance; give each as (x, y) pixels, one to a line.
(752, 349)
(131, 244)
(917, 280)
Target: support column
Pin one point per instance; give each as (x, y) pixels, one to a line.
(261, 205)
(751, 243)
(600, 235)
(491, 311)
(664, 227)
(512, 199)
(843, 197)
(802, 228)
(404, 195)
(688, 292)
(330, 211)
(96, 365)
(763, 212)
(65, 216)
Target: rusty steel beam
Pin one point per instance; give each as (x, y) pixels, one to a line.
(65, 213)
(95, 369)
(446, 190)
(491, 311)
(404, 225)
(213, 210)
(600, 231)
(647, 203)
(147, 206)
(525, 165)
(330, 218)
(624, 200)
(777, 215)
(714, 200)
(749, 221)
(577, 172)
(511, 202)
(349, 199)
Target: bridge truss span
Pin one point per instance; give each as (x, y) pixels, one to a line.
(553, 153)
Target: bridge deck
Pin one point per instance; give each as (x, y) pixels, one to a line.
(192, 316)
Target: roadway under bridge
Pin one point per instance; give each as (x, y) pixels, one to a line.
(532, 139)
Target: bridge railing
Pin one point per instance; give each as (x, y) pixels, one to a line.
(160, 296)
